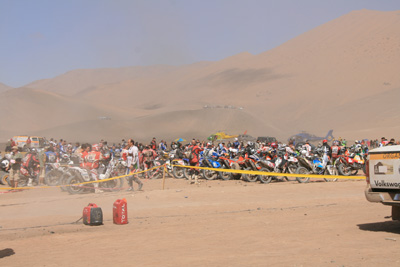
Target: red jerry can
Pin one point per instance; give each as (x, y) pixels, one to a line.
(120, 211)
(92, 215)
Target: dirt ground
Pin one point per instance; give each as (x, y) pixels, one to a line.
(216, 223)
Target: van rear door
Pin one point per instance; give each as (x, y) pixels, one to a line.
(384, 168)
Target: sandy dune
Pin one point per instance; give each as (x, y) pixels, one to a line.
(4, 87)
(342, 75)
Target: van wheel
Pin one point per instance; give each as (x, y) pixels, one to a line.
(396, 213)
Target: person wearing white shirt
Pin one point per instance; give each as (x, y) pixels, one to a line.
(133, 165)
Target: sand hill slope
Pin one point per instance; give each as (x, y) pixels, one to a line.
(30, 110)
(342, 75)
(4, 87)
(76, 81)
(142, 129)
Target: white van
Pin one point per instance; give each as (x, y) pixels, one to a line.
(383, 178)
(36, 142)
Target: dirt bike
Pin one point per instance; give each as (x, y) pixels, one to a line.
(310, 165)
(190, 172)
(282, 162)
(25, 175)
(224, 165)
(211, 161)
(178, 172)
(350, 165)
(287, 163)
(4, 173)
(237, 163)
(157, 170)
(166, 159)
(251, 164)
(316, 165)
(267, 166)
(79, 175)
(54, 172)
(4, 178)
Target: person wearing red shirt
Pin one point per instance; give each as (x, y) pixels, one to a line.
(194, 151)
(148, 156)
(28, 142)
(91, 159)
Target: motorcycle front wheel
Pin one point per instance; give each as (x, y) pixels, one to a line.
(74, 189)
(345, 170)
(177, 172)
(302, 170)
(236, 166)
(112, 185)
(291, 168)
(333, 171)
(156, 173)
(265, 179)
(63, 180)
(250, 177)
(22, 182)
(5, 179)
(225, 175)
(209, 175)
(187, 172)
(52, 178)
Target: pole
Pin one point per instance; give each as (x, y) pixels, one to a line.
(163, 178)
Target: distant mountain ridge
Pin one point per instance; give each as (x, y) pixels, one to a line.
(326, 78)
(4, 87)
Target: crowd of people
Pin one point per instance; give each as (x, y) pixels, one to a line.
(141, 156)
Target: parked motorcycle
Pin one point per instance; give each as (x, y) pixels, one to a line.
(4, 172)
(309, 165)
(350, 165)
(78, 175)
(252, 164)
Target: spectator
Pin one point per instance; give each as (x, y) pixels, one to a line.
(15, 161)
(133, 165)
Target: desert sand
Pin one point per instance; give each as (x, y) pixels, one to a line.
(342, 75)
(218, 223)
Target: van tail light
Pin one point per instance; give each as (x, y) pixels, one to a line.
(367, 171)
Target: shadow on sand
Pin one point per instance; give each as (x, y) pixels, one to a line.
(6, 252)
(390, 227)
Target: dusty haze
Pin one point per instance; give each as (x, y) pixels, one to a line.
(342, 75)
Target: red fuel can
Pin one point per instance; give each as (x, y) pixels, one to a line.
(92, 215)
(120, 211)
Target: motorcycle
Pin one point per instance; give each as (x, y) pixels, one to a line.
(251, 163)
(29, 170)
(189, 173)
(237, 163)
(4, 172)
(78, 175)
(311, 165)
(267, 166)
(210, 161)
(178, 172)
(316, 164)
(55, 170)
(350, 165)
(25, 175)
(284, 162)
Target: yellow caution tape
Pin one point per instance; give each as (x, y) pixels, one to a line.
(206, 168)
(275, 173)
(89, 182)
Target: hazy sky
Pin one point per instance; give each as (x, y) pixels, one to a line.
(45, 38)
